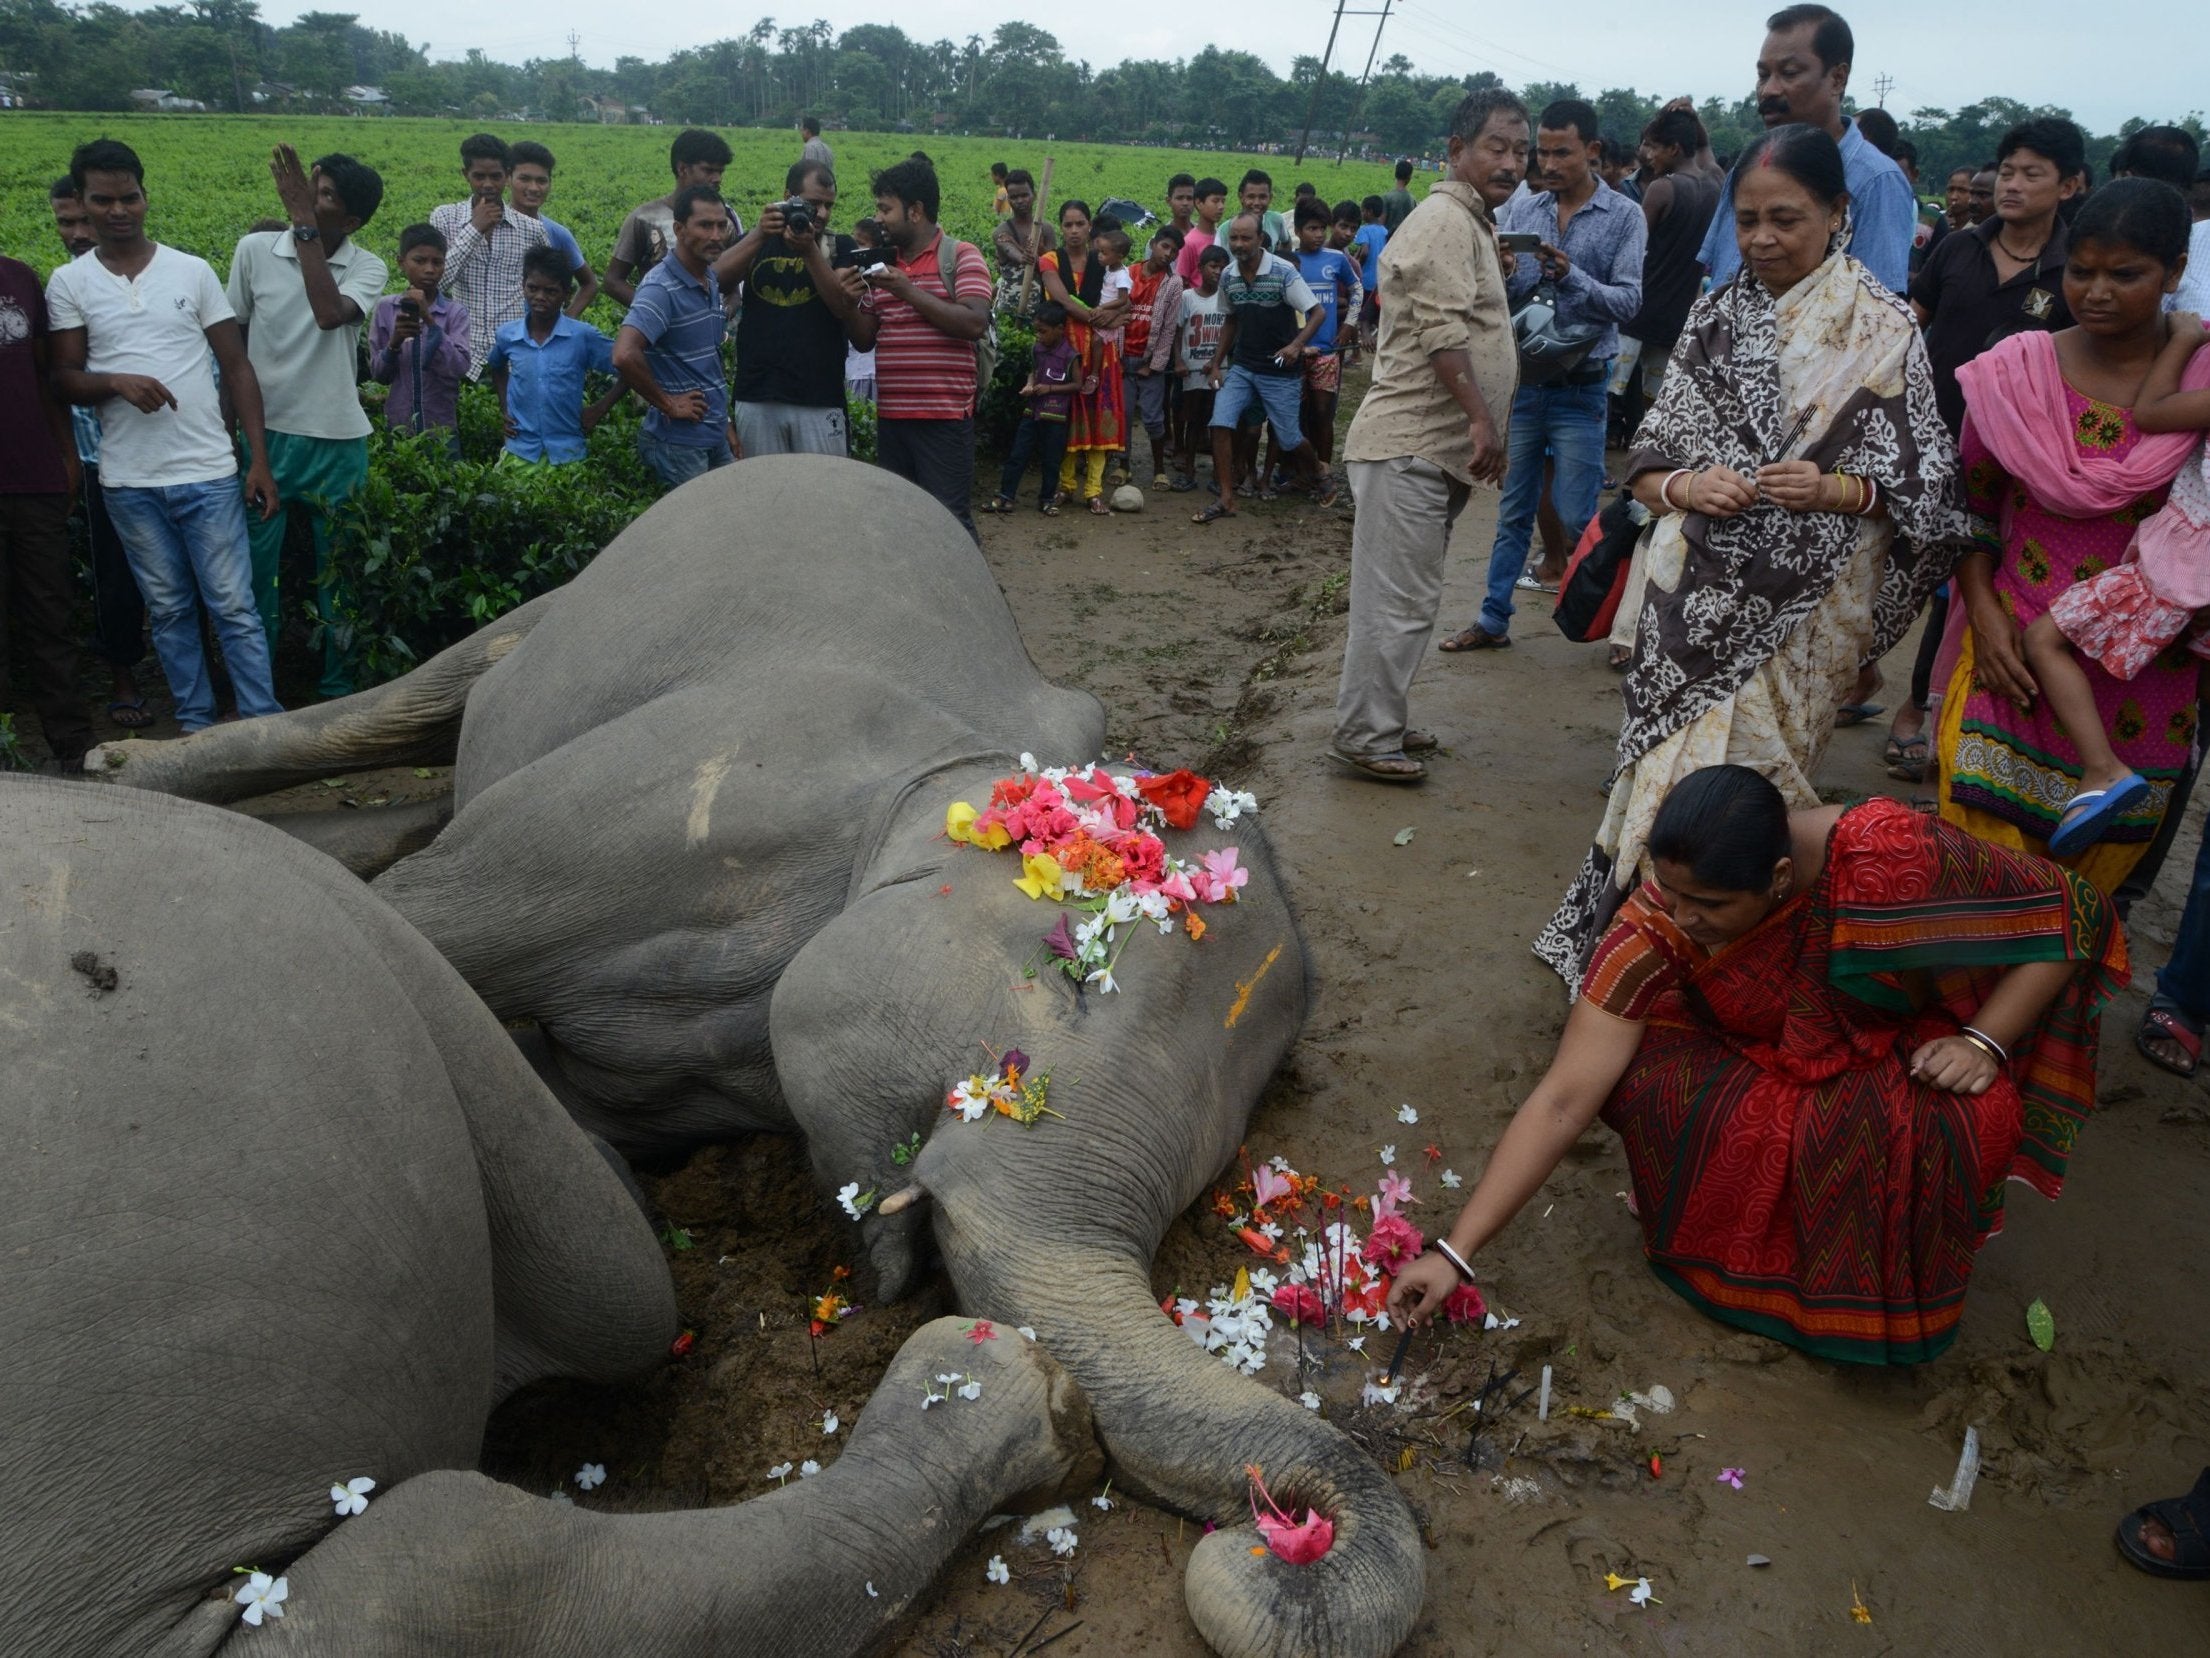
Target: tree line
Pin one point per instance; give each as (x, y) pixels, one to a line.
(874, 77)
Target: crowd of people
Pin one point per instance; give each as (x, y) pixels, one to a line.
(1847, 419)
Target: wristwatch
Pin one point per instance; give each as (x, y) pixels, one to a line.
(306, 233)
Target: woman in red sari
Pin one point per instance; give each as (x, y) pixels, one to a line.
(1827, 1039)
(1097, 426)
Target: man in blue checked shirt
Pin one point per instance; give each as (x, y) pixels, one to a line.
(1592, 243)
(669, 349)
(1802, 72)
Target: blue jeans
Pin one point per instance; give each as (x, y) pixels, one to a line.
(676, 464)
(1564, 422)
(1037, 440)
(187, 546)
(2185, 979)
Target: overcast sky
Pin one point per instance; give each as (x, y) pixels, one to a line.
(2142, 59)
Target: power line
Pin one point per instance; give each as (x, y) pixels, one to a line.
(1319, 84)
(1350, 121)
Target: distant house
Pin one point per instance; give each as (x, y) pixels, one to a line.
(273, 92)
(612, 112)
(15, 89)
(368, 100)
(165, 100)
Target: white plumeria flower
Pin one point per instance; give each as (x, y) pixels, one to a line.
(1061, 1539)
(971, 1099)
(352, 1496)
(1357, 1344)
(1026, 1331)
(1309, 1399)
(262, 1595)
(871, 1595)
(1028, 761)
(1272, 1230)
(1380, 1393)
(808, 1468)
(1121, 907)
(1640, 1593)
(1278, 1163)
(1358, 1315)
(591, 1476)
(829, 1423)
(856, 1202)
(1405, 1114)
(1388, 1156)
(1263, 1283)
(1450, 1178)
(970, 1390)
(997, 1571)
(780, 1473)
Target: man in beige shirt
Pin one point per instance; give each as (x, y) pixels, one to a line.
(1429, 429)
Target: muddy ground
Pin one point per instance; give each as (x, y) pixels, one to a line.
(1219, 648)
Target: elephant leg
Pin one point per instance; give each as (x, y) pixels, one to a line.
(412, 720)
(453, 1562)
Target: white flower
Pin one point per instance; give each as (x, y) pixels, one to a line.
(1405, 1114)
(352, 1496)
(856, 1202)
(808, 1468)
(932, 1397)
(1450, 1178)
(1309, 1399)
(1263, 1282)
(1103, 979)
(1358, 1315)
(1357, 1344)
(1226, 805)
(1640, 1593)
(1028, 761)
(829, 1423)
(779, 1473)
(1388, 1156)
(948, 1380)
(1378, 1393)
(1279, 1163)
(971, 1099)
(1152, 907)
(262, 1594)
(1061, 1539)
(971, 1390)
(1026, 1331)
(871, 1595)
(563, 1499)
(1272, 1230)
(1121, 907)
(1101, 1502)
(591, 1475)
(997, 1571)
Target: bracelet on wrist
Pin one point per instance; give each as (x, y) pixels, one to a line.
(1665, 490)
(1456, 1260)
(1995, 1049)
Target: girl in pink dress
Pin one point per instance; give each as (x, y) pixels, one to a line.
(2125, 616)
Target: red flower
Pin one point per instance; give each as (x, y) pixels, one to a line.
(1464, 1305)
(1178, 794)
(1393, 1242)
(1300, 1304)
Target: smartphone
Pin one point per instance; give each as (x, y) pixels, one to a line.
(1519, 241)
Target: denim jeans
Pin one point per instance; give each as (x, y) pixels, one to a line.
(676, 464)
(2185, 979)
(187, 547)
(1567, 424)
(1043, 441)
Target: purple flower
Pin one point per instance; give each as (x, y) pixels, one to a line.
(1060, 940)
(1014, 1061)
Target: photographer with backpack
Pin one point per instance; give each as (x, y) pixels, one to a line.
(927, 319)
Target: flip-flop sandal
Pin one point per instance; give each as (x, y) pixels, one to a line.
(1182, 486)
(2091, 813)
(1476, 638)
(1213, 514)
(1050, 509)
(1381, 768)
(999, 506)
(1907, 760)
(1421, 742)
(2164, 1024)
(1529, 582)
(1619, 659)
(130, 713)
(1856, 713)
(1098, 508)
(1326, 497)
(2188, 1520)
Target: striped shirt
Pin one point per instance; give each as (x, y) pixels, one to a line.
(921, 372)
(485, 272)
(680, 317)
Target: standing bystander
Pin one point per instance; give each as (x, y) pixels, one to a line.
(1271, 318)
(1209, 203)
(812, 148)
(540, 365)
(139, 330)
(1155, 306)
(418, 342)
(1433, 425)
(530, 184)
(1019, 240)
(669, 349)
(1196, 343)
(485, 239)
(793, 332)
(1332, 275)
(1396, 206)
(648, 234)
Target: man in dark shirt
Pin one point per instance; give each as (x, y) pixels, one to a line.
(1396, 206)
(2006, 274)
(792, 333)
(1677, 203)
(1261, 359)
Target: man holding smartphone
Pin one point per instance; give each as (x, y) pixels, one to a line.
(1588, 241)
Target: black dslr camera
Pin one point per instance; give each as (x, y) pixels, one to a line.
(797, 214)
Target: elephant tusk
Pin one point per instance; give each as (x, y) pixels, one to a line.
(904, 1197)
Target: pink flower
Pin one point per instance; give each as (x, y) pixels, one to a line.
(1300, 1304)
(1144, 857)
(1394, 1189)
(1270, 1185)
(1300, 1542)
(1730, 1476)
(1088, 786)
(1179, 885)
(981, 1331)
(1221, 876)
(1464, 1305)
(1393, 1243)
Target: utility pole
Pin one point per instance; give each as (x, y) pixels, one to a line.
(1882, 84)
(1359, 97)
(574, 41)
(1312, 104)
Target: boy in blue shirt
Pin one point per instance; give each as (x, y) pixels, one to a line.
(538, 366)
(1373, 236)
(1332, 275)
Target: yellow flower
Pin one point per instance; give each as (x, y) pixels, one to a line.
(959, 828)
(1041, 876)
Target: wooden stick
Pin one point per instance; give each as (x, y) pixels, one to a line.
(1036, 236)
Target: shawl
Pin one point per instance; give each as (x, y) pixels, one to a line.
(1089, 285)
(2014, 392)
(1857, 377)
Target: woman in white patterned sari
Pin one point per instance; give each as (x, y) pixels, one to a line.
(1808, 501)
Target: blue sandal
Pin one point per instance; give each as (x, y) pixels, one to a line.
(2091, 814)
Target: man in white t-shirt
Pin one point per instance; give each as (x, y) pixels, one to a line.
(139, 330)
(300, 295)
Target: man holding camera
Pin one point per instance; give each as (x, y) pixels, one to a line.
(802, 288)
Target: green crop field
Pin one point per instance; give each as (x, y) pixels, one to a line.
(207, 177)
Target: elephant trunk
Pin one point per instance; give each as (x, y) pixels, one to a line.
(1181, 1427)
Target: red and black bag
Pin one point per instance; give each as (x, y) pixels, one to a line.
(1588, 597)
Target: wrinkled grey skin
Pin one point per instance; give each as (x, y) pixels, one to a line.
(285, 1206)
(697, 837)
